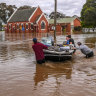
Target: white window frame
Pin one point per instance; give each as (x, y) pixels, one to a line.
(44, 23)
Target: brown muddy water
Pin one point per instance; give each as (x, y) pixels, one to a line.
(21, 76)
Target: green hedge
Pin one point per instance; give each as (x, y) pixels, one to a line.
(78, 28)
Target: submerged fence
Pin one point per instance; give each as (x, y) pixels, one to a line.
(89, 30)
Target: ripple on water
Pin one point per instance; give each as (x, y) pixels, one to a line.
(21, 76)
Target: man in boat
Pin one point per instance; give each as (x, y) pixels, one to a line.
(38, 49)
(70, 41)
(85, 50)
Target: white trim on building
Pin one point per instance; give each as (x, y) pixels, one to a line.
(33, 14)
(11, 15)
(41, 17)
(44, 23)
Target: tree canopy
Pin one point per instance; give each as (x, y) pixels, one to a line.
(88, 14)
(24, 7)
(59, 15)
(6, 11)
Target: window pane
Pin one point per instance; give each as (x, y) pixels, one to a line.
(17, 26)
(31, 26)
(26, 26)
(42, 25)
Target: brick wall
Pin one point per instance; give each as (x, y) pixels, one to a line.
(77, 22)
(15, 28)
(46, 24)
(37, 13)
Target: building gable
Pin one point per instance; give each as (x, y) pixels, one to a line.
(21, 15)
(42, 15)
(77, 22)
(42, 20)
(36, 14)
(32, 14)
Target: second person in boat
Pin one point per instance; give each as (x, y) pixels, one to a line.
(70, 41)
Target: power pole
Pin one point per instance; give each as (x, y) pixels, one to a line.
(55, 20)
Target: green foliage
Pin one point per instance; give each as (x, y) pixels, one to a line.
(24, 7)
(0, 26)
(77, 28)
(6, 11)
(88, 14)
(59, 15)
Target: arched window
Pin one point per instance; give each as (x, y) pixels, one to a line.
(43, 25)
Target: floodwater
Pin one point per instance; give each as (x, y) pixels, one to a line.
(21, 76)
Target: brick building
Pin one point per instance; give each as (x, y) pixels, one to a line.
(29, 20)
(65, 24)
(34, 20)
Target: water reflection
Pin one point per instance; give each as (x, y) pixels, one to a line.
(20, 75)
(2, 36)
(9, 50)
(3, 53)
(25, 35)
(91, 42)
(51, 69)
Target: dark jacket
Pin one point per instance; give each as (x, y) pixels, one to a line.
(38, 49)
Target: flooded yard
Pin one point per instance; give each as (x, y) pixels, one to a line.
(21, 76)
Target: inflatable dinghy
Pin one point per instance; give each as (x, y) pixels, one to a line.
(55, 53)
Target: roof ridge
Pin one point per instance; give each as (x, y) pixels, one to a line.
(64, 18)
(25, 9)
